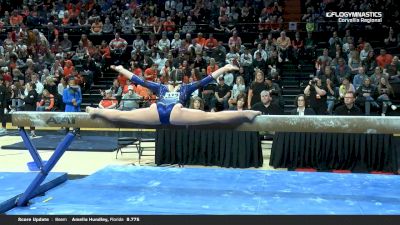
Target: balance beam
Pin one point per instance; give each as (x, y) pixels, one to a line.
(281, 123)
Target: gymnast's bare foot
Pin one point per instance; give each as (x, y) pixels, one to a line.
(251, 114)
(90, 110)
(116, 68)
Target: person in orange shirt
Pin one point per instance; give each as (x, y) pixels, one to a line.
(108, 102)
(211, 43)
(169, 25)
(121, 79)
(74, 12)
(136, 68)
(15, 19)
(150, 74)
(384, 59)
(68, 68)
(65, 19)
(200, 39)
(212, 67)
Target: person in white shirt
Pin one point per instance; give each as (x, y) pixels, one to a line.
(164, 42)
(263, 53)
(238, 87)
(246, 59)
(176, 42)
(39, 85)
(138, 43)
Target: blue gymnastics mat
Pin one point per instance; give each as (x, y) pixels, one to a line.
(14, 184)
(204, 191)
(85, 143)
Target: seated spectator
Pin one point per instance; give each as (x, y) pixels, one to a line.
(391, 40)
(15, 19)
(221, 95)
(196, 103)
(301, 107)
(365, 51)
(354, 62)
(47, 102)
(157, 25)
(108, 27)
(348, 108)
(109, 101)
(342, 70)
(369, 63)
(164, 42)
(235, 40)
(200, 39)
(126, 23)
(297, 49)
(238, 88)
(116, 89)
(274, 90)
(176, 42)
(199, 62)
(189, 26)
(65, 44)
(130, 100)
(211, 43)
(246, 60)
(383, 59)
(359, 78)
(376, 76)
(309, 45)
(385, 93)
(127, 85)
(138, 44)
(365, 96)
(231, 56)
(392, 70)
(212, 66)
(265, 106)
(169, 26)
(241, 103)
(323, 61)
(97, 27)
(283, 43)
(346, 86)
(151, 73)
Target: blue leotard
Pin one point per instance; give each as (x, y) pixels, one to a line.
(167, 99)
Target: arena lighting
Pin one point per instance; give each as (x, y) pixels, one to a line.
(289, 123)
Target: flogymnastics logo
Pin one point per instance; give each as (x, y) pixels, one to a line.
(356, 17)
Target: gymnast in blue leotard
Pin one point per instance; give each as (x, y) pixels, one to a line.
(169, 108)
(169, 98)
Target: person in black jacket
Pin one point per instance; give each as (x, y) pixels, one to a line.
(301, 109)
(266, 107)
(348, 108)
(3, 102)
(30, 101)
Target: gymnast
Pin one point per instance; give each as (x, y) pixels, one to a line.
(169, 108)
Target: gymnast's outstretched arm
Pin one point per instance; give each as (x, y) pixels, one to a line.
(203, 82)
(153, 86)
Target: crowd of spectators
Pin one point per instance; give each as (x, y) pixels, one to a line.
(155, 39)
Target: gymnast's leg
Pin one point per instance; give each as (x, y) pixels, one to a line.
(184, 116)
(144, 116)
